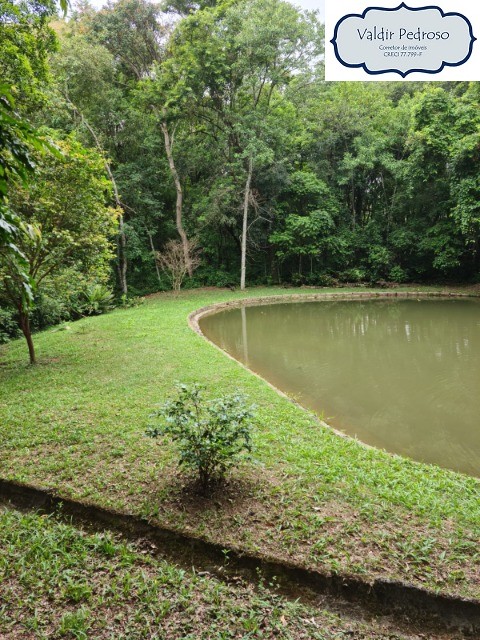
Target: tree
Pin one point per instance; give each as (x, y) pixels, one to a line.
(428, 181)
(308, 232)
(85, 71)
(26, 40)
(133, 33)
(17, 141)
(465, 171)
(219, 127)
(102, 57)
(169, 140)
(15, 162)
(272, 42)
(224, 74)
(69, 220)
(172, 261)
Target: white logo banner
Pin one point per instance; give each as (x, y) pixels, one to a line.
(402, 41)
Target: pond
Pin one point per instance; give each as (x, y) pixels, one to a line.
(399, 374)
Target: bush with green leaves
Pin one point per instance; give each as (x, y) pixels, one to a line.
(8, 324)
(131, 302)
(397, 274)
(354, 275)
(211, 435)
(98, 299)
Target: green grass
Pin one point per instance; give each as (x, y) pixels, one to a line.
(59, 582)
(75, 423)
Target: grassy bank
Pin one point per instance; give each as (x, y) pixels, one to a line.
(75, 423)
(59, 582)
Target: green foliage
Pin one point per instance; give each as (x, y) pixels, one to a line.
(70, 195)
(17, 141)
(98, 298)
(75, 624)
(130, 302)
(8, 325)
(211, 435)
(375, 179)
(304, 235)
(26, 39)
(397, 274)
(214, 277)
(379, 260)
(353, 275)
(137, 47)
(321, 280)
(70, 227)
(50, 307)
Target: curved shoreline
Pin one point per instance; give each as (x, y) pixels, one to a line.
(198, 314)
(195, 317)
(391, 591)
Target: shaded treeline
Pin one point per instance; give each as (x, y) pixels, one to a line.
(214, 125)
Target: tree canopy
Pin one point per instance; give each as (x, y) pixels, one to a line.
(217, 129)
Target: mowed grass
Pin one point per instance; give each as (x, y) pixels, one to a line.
(75, 423)
(60, 582)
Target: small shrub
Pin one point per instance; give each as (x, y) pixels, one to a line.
(224, 279)
(321, 280)
(8, 325)
(397, 274)
(173, 262)
(48, 310)
(211, 435)
(130, 302)
(98, 299)
(210, 276)
(353, 275)
(379, 259)
(298, 279)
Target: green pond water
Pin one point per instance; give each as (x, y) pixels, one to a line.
(403, 375)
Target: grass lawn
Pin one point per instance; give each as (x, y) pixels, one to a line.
(59, 582)
(75, 423)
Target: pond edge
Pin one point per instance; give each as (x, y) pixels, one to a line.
(211, 309)
(405, 602)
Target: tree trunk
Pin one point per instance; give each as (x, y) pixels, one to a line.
(25, 327)
(246, 198)
(179, 203)
(354, 212)
(122, 257)
(154, 254)
(122, 240)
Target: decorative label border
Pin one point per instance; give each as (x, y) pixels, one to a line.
(404, 74)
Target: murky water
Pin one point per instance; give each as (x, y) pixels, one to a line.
(403, 375)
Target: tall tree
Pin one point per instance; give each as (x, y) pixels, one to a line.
(102, 57)
(225, 69)
(134, 34)
(25, 43)
(70, 221)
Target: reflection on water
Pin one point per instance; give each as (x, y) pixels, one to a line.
(403, 375)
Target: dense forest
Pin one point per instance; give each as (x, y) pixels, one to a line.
(197, 143)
